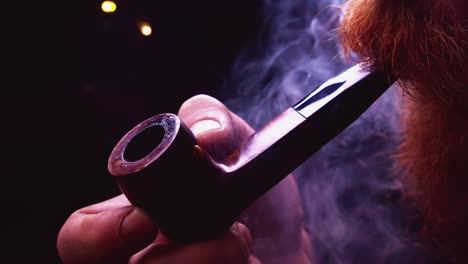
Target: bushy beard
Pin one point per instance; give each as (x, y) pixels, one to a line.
(418, 41)
(425, 47)
(433, 157)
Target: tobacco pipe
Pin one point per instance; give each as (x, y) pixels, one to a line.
(161, 168)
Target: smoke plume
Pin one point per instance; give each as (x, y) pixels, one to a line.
(352, 203)
(295, 51)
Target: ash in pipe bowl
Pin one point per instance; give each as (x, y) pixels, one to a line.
(143, 144)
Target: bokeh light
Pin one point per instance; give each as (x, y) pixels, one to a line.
(145, 29)
(108, 6)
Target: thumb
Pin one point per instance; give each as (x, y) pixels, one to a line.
(218, 130)
(105, 233)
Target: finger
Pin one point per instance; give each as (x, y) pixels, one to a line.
(219, 131)
(233, 247)
(105, 233)
(113, 203)
(254, 260)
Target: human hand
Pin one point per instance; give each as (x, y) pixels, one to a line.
(276, 218)
(114, 231)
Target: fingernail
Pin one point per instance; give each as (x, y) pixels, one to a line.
(204, 126)
(138, 228)
(245, 233)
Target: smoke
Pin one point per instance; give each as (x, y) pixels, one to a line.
(296, 50)
(353, 207)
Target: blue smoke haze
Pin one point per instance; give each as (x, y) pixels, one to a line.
(352, 203)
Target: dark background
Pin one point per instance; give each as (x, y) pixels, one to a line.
(75, 80)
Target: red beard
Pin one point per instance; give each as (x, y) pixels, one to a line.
(434, 155)
(426, 47)
(418, 41)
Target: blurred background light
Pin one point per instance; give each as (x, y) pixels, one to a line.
(108, 6)
(145, 29)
